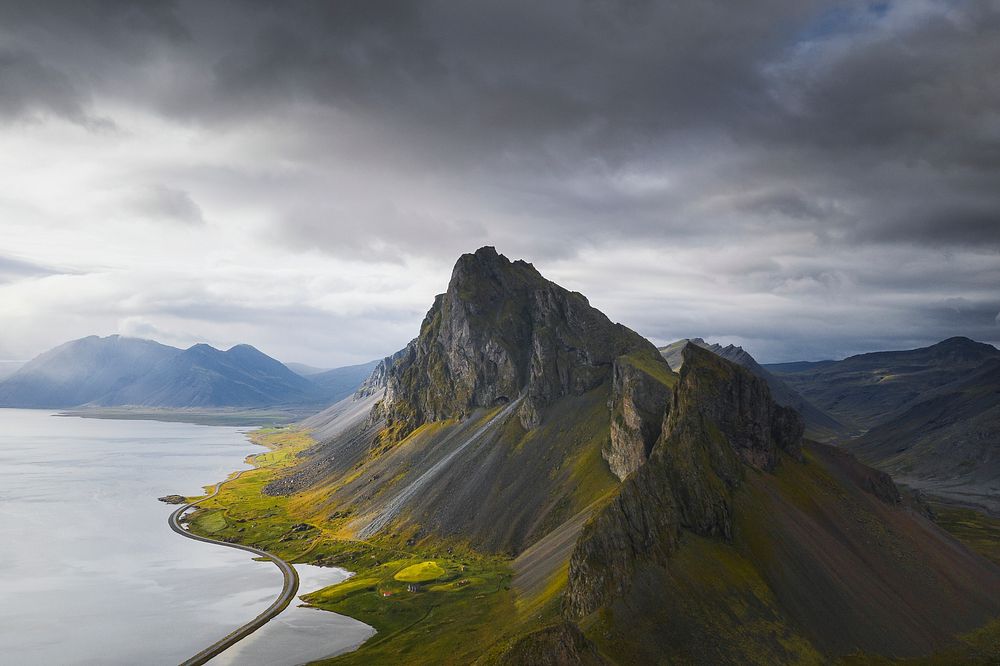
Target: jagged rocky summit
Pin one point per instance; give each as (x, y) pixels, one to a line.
(501, 332)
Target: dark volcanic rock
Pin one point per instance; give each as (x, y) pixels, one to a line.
(173, 499)
(501, 331)
(738, 404)
(721, 419)
(819, 424)
(558, 645)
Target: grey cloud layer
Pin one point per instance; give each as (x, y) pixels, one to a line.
(855, 147)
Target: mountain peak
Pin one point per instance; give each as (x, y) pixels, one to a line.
(959, 341)
(500, 331)
(486, 276)
(961, 348)
(201, 349)
(245, 349)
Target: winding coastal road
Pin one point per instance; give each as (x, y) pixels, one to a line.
(288, 590)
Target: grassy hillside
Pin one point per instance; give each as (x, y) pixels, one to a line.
(766, 597)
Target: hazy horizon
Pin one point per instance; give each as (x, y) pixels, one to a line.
(293, 362)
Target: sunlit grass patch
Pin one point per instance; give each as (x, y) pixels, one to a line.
(420, 573)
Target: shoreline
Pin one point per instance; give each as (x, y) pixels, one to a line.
(260, 462)
(460, 608)
(289, 589)
(250, 418)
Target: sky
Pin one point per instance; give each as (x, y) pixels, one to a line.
(805, 179)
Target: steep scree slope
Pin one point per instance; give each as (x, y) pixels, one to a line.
(513, 410)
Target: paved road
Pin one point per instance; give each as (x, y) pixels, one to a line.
(288, 590)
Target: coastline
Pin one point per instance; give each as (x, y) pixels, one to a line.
(289, 588)
(139, 577)
(255, 418)
(263, 464)
(470, 603)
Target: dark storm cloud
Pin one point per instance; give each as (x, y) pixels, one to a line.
(851, 145)
(29, 87)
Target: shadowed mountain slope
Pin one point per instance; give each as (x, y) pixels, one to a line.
(947, 442)
(865, 390)
(820, 426)
(732, 546)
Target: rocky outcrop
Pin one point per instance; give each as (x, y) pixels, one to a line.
(721, 420)
(820, 425)
(173, 499)
(639, 401)
(558, 645)
(501, 331)
(379, 377)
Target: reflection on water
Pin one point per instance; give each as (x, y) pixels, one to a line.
(300, 634)
(89, 571)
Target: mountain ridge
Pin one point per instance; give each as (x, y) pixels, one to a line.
(117, 371)
(508, 368)
(820, 425)
(865, 389)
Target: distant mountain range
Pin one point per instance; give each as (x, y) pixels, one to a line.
(119, 371)
(928, 416)
(341, 382)
(304, 369)
(7, 368)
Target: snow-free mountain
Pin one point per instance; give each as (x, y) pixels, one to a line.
(649, 516)
(928, 416)
(120, 371)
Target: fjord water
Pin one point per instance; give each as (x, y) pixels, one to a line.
(91, 574)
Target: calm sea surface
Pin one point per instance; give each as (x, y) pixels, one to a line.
(90, 573)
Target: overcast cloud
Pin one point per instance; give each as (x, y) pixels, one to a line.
(808, 179)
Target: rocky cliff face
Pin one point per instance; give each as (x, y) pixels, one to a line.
(639, 400)
(499, 332)
(377, 381)
(721, 419)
